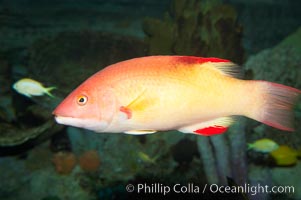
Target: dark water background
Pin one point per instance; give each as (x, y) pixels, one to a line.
(62, 42)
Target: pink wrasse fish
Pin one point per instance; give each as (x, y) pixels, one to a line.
(189, 94)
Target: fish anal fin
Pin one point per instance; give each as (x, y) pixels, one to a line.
(212, 130)
(208, 128)
(140, 132)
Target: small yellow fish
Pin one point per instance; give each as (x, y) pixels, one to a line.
(146, 158)
(285, 156)
(29, 87)
(264, 145)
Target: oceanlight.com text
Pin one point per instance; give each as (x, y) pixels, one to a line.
(191, 188)
(251, 189)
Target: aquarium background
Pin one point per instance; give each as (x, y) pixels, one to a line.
(62, 42)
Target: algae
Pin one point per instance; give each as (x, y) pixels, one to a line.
(202, 28)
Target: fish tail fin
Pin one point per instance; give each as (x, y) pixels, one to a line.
(48, 90)
(274, 104)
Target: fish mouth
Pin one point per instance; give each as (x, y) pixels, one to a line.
(90, 124)
(60, 119)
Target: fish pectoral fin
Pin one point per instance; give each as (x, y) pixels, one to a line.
(139, 103)
(140, 132)
(208, 128)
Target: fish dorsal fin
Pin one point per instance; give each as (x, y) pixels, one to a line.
(227, 68)
(140, 132)
(224, 66)
(208, 128)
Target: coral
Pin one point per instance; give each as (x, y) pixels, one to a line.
(64, 162)
(89, 161)
(203, 28)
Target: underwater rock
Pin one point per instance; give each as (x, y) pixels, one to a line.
(10, 135)
(203, 28)
(280, 64)
(288, 176)
(293, 40)
(7, 111)
(33, 176)
(89, 161)
(60, 142)
(29, 120)
(66, 187)
(119, 153)
(40, 153)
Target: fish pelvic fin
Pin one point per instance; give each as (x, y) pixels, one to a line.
(275, 107)
(208, 128)
(140, 132)
(48, 90)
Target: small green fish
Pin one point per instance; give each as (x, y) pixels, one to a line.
(29, 88)
(146, 158)
(264, 145)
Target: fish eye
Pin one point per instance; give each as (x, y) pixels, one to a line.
(82, 100)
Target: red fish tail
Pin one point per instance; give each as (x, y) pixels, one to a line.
(274, 105)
